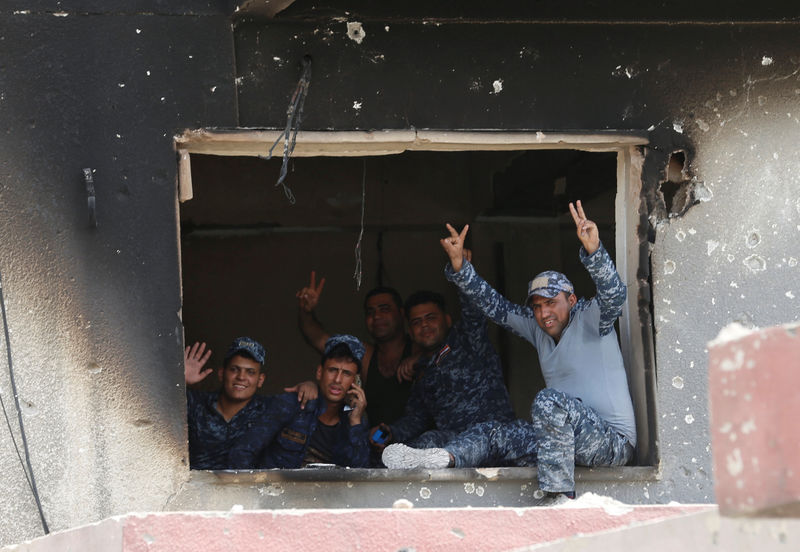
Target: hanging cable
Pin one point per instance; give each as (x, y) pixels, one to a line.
(358, 272)
(294, 116)
(29, 470)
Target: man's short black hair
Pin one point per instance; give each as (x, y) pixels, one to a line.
(341, 351)
(424, 296)
(381, 290)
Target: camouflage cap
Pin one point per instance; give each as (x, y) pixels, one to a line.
(353, 343)
(247, 345)
(549, 284)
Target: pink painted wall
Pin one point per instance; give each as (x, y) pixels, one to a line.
(755, 404)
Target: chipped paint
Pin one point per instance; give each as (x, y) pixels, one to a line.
(755, 263)
(734, 462)
(275, 489)
(356, 32)
(733, 364)
(753, 238)
(488, 473)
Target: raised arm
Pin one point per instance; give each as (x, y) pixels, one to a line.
(587, 229)
(307, 299)
(194, 358)
(477, 295)
(357, 447)
(611, 292)
(454, 246)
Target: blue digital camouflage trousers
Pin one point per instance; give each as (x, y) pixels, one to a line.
(494, 444)
(567, 433)
(433, 438)
(564, 432)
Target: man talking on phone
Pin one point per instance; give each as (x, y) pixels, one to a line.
(330, 430)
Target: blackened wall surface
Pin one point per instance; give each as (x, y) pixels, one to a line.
(96, 335)
(549, 10)
(94, 313)
(509, 76)
(74, 8)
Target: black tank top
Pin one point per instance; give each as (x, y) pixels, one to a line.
(386, 398)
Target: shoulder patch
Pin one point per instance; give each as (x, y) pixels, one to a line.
(442, 353)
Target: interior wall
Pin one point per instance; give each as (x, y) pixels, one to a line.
(246, 250)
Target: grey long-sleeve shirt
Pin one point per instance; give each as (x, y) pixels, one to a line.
(586, 362)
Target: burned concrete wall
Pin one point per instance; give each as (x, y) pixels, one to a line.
(94, 313)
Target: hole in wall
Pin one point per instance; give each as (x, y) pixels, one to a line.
(676, 189)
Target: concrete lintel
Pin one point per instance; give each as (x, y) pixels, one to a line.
(388, 142)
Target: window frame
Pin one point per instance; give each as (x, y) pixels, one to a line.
(632, 253)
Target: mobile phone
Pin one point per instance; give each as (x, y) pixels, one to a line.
(350, 400)
(380, 436)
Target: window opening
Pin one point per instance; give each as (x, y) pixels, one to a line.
(246, 251)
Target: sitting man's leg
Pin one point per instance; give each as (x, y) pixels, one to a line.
(432, 438)
(485, 444)
(567, 433)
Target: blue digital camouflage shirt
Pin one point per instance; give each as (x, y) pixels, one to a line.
(281, 439)
(586, 363)
(210, 436)
(461, 384)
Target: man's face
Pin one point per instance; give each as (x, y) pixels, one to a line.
(335, 377)
(384, 319)
(241, 377)
(552, 314)
(428, 325)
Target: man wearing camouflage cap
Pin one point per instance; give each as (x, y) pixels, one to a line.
(330, 430)
(216, 420)
(585, 414)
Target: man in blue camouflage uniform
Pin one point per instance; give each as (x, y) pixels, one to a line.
(461, 379)
(330, 430)
(585, 415)
(216, 420)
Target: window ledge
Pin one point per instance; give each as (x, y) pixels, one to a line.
(334, 474)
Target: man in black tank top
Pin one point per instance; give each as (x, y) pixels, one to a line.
(387, 372)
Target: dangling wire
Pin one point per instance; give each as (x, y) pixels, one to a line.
(294, 116)
(29, 471)
(358, 272)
